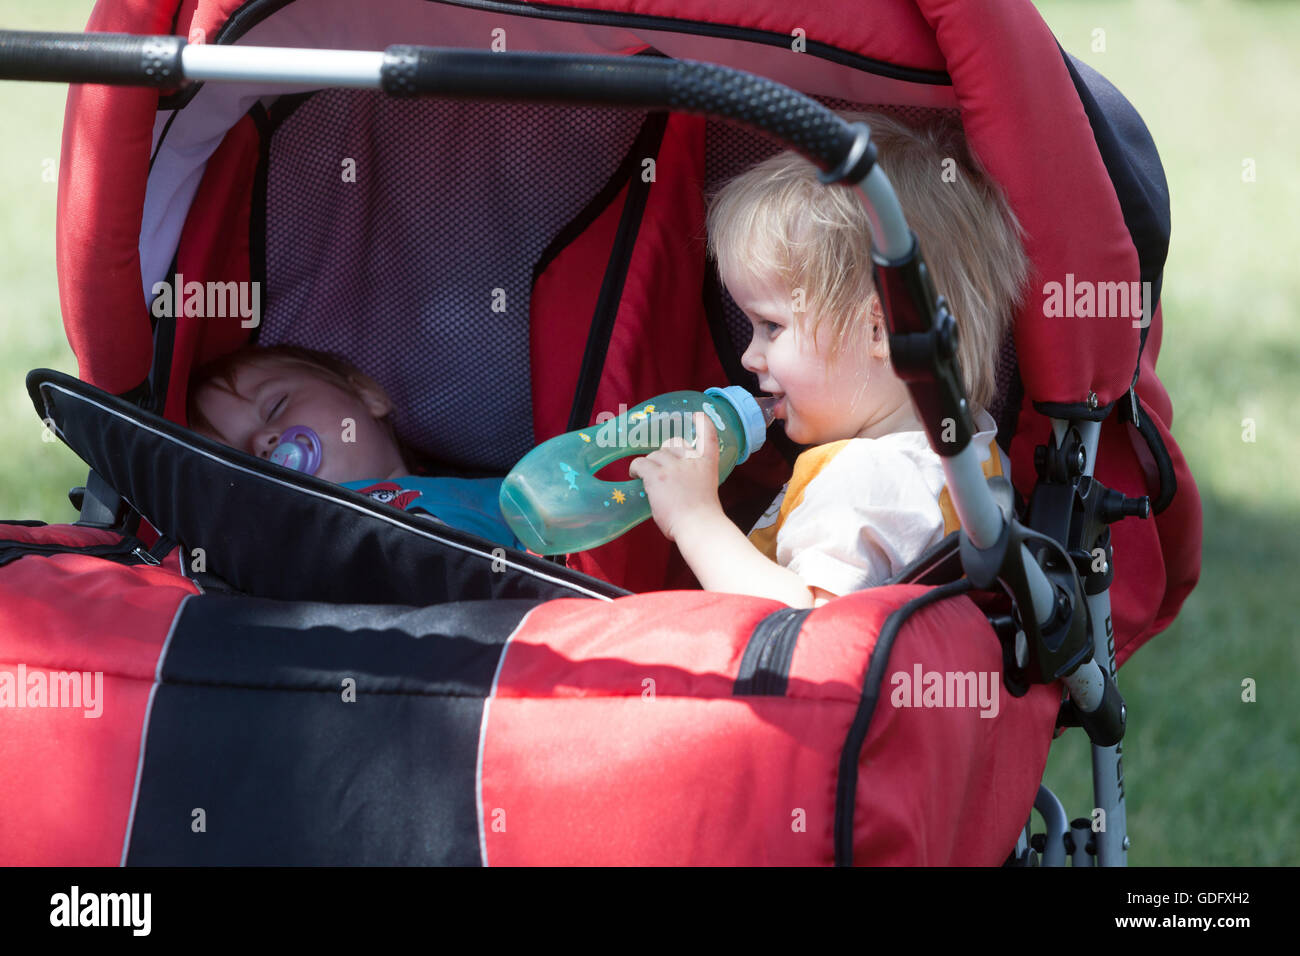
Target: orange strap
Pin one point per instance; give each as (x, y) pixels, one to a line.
(806, 467)
(992, 467)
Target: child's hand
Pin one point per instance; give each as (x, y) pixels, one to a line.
(681, 481)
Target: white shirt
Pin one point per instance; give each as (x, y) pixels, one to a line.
(869, 508)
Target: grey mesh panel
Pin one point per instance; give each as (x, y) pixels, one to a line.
(396, 270)
(731, 149)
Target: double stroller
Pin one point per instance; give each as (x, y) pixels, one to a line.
(507, 232)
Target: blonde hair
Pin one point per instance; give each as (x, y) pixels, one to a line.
(779, 219)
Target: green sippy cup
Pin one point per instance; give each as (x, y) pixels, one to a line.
(555, 504)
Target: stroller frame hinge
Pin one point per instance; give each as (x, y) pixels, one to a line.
(1075, 510)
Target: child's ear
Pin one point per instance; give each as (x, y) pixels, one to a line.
(879, 340)
(372, 395)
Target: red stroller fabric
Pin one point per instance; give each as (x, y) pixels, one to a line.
(629, 690)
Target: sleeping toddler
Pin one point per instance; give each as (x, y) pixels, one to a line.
(318, 413)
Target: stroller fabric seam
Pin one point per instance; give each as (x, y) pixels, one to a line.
(144, 727)
(647, 143)
(765, 664)
(847, 786)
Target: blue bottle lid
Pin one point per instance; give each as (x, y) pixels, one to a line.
(751, 415)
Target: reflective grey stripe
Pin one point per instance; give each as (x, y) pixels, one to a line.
(144, 728)
(482, 738)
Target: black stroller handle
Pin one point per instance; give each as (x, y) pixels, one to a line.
(168, 62)
(641, 81)
(117, 59)
(842, 150)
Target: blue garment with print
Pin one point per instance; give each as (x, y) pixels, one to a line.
(470, 504)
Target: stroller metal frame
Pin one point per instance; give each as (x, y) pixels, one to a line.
(1056, 566)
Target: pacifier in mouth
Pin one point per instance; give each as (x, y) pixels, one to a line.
(300, 449)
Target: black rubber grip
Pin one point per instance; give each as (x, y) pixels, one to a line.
(790, 116)
(117, 59)
(635, 82)
(923, 349)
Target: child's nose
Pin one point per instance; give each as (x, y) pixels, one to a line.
(752, 358)
(264, 442)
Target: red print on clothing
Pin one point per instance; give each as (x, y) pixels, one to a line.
(390, 493)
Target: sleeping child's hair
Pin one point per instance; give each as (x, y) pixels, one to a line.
(777, 217)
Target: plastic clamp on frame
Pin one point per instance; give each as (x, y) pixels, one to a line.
(857, 162)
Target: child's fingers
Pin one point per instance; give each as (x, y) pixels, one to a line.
(703, 440)
(699, 436)
(648, 466)
(677, 447)
(705, 434)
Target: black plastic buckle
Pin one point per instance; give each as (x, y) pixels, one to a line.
(99, 504)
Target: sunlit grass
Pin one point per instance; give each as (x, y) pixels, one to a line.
(1207, 774)
(35, 475)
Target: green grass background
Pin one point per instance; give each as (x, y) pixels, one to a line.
(1211, 779)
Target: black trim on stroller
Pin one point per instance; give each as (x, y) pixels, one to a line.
(129, 550)
(847, 787)
(153, 394)
(1164, 464)
(1143, 193)
(765, 665)
(269, 677)
(646, 146)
